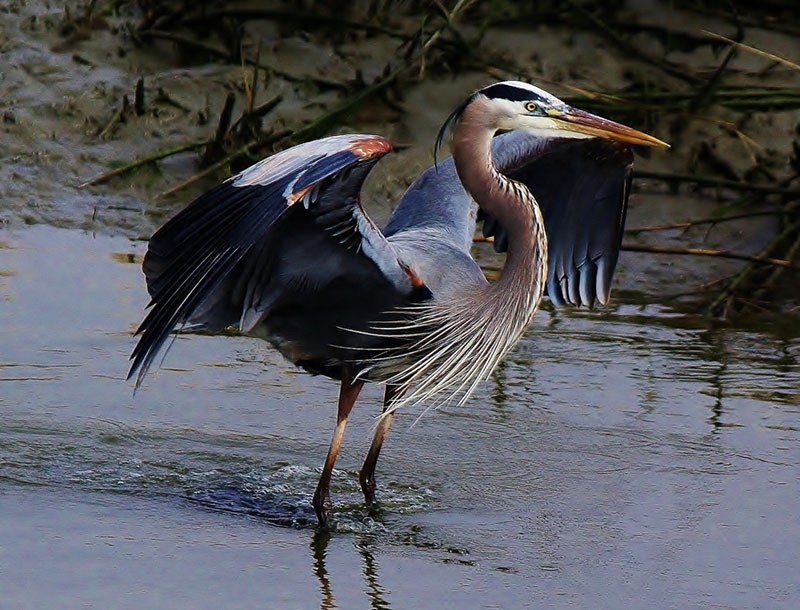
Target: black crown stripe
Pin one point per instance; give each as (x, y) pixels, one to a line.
(510, 92)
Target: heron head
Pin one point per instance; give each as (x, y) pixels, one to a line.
(516, 105)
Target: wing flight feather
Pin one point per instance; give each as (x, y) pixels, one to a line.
(582, 188)
(211, 263)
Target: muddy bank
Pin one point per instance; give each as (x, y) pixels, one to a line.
(89, 89)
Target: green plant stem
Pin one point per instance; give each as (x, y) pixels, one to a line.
(140, 162)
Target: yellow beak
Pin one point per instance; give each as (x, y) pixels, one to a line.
(579, 121)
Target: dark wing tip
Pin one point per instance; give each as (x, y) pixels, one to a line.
(582, 188)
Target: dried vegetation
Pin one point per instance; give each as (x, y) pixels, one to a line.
(728, 104)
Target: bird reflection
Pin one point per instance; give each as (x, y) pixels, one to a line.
(375, 593)
(716, 353)
(319, 548)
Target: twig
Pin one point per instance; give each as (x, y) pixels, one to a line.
(164, 98)
(759, 19)
(717, 182)
(225, 55)
(186, 41)
(706, 95)
(702, 221)
(791, 254)
(630, 50)
(118, 116)
(258, 111)
(308, 20)
(450, 17)
(264, 108)
(87, 15)
(323, 123)
(216, 146)
(778, 262)
(716, 306)
(698, 289)
(138, 97)
(249, 90)
(246, 149)
(735, 98)
(750, 49)
(144, 161)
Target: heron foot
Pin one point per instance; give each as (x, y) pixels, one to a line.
(368, 486)
(323, 507)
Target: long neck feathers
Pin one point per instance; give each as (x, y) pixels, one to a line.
(508, 201)
(453, 344)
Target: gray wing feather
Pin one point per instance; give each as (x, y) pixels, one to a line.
(290, 223)
(436, 200)
(581, 186)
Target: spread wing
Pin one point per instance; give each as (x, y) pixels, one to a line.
(291, 223)
(582, 187)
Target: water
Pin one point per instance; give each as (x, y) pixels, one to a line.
(632, 458)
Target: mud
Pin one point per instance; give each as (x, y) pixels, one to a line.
(66, 77)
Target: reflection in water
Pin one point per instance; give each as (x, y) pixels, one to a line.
(744, 365)
(717, 354)
(498, 386)
(319, 547)
(375, 593)
(586, 461)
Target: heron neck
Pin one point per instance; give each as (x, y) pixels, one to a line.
(511, 204)
(490, 189)
(458, 340)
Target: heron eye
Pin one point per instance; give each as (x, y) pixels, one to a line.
(531, 107)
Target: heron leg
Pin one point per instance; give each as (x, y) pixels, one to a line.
(367, 475)
(348, 392)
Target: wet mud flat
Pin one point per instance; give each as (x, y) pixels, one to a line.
(641, 455)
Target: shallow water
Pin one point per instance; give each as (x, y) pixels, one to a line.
(630, 458)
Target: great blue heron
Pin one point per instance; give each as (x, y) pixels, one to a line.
(285, 251)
